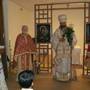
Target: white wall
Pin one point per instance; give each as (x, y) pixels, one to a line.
(18, 16)
(5, 15)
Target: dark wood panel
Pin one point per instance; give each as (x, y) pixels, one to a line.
(1, 25)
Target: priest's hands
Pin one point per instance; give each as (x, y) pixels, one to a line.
(14, 64)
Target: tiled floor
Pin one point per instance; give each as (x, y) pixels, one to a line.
(45, 82)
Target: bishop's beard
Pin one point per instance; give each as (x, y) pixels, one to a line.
(62, 26)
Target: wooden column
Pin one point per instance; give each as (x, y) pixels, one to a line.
(89, 13)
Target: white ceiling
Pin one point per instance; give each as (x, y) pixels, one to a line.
(29, 3)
